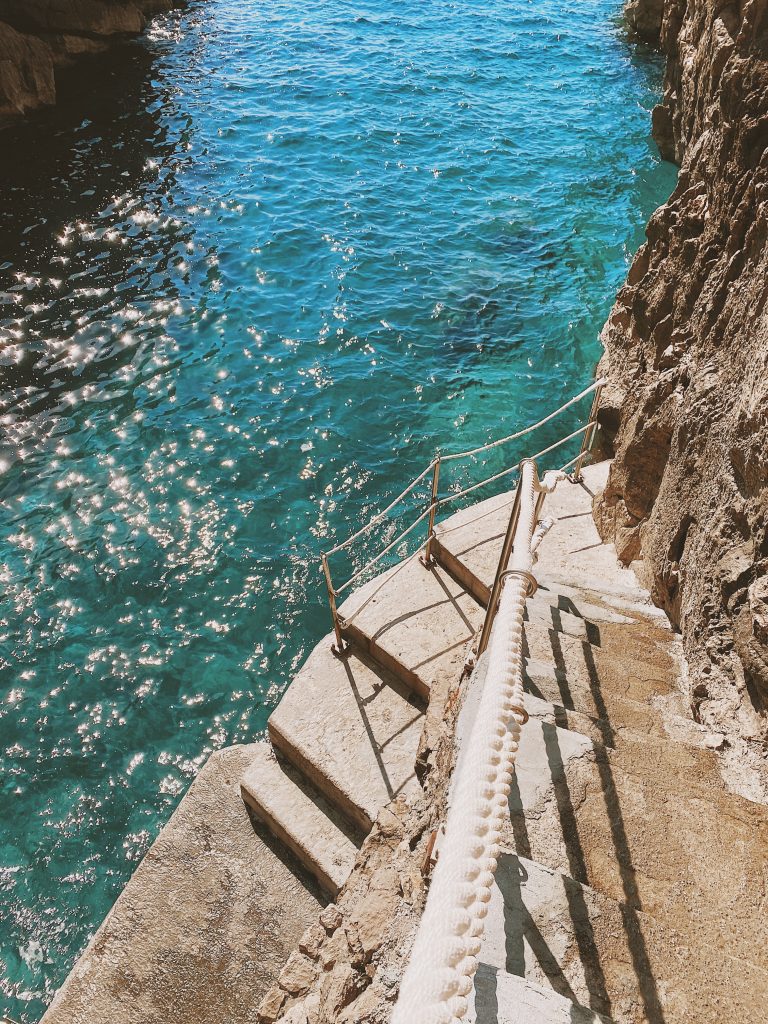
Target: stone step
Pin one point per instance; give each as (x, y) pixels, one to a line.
(555, 714)
(585, 673)
(584, 603)
(353, 730)
(625, 720)
(613, 711)
(300, 818)
(502, 998)
(602, 627)
(545, 607)
(651, 825)
(416, 622)
(599, 603)
(469, 545)
(553, 617)
(560, 935)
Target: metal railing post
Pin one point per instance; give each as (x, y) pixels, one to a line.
(506, 551)
(341, 645)
(588, 437)
(427, 559)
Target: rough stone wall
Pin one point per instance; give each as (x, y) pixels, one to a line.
(686, 355)
(36, 36)
(348, 965)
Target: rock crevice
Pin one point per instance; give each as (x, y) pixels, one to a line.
(686, 356)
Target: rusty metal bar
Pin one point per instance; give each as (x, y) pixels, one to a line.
(506, 551)
(537, 513)
(589, 434)
(341, 646)
(427, 559)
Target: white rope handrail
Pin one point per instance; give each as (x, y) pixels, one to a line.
(443, 959)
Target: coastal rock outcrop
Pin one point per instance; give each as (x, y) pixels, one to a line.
(38, 36)
(644, 19)
(686, 357)
(26, 72)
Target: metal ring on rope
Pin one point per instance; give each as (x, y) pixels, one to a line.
(529, 578)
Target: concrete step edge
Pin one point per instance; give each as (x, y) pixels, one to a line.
(299, 819)
(386, 660)
(360, 819)
(460, 572)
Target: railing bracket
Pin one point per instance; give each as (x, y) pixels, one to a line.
(341, 651)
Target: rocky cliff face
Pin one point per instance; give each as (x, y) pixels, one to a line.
(37, 36)
(686, 355)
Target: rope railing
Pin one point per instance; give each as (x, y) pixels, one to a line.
(437, 503)
(530, 428)
(443, 960)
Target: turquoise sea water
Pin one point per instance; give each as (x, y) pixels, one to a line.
(255, 270)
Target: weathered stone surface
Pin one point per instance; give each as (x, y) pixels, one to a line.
(26, 73)
(331, 917)
(37, 36)
(415, 621)
(619, 961)
(502, 998)
(297, 975)
(311, 941)
(340, 712)
(271, 1005)
(77, 17)
(686, 354)
(644, 19)
(204, 926)
(650, 825)
(299, 817)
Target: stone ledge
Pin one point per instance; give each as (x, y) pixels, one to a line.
(205, 924)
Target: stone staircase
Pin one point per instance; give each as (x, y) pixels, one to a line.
(632, 887)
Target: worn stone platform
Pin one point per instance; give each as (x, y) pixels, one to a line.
(204, 925)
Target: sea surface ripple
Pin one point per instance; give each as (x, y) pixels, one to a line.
(255, 269)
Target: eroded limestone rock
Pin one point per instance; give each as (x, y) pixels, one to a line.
(686, 354)
(26, 72)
